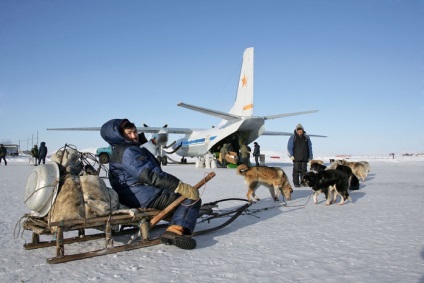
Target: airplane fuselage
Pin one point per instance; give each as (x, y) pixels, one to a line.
(201, 142)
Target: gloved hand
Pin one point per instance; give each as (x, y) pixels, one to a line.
(292, 158)
(187, 191)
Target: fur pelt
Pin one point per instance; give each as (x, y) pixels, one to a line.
(98, 199)
(68, 160)
(69, 203)
(82, 197)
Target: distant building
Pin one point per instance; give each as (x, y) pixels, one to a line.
(12, 149)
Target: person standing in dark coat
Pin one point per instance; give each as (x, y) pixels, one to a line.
(299, 147)
(256, 152)
(245, 154)
(135, 174)
(34, 154)
(3, 153)
(42, 153)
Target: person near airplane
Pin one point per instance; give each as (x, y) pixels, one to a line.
(256, 152)
(245, 154)
(135, 174)
(299, 147)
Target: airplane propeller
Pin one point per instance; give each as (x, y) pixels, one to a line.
(159, 140)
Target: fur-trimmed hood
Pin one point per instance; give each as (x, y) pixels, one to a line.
(110, 132)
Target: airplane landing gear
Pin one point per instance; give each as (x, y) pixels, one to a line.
(162, 160)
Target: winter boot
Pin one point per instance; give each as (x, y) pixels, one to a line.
(174, 235)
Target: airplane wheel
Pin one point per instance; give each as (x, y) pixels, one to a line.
(159, 159)
(164, 161)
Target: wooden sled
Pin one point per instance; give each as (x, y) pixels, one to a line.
(141, 220)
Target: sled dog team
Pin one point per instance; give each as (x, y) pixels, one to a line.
(333, 181)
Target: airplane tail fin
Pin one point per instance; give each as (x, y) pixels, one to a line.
(243, 105)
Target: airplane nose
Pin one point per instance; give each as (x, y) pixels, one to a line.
(162, 139)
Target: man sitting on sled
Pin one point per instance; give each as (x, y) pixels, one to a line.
(136, 175)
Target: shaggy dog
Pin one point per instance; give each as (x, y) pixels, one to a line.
(316, 167)
(353, 180)
(358, 168)
(331, 182)
(366, 164)
(273, 178)
(314, 161)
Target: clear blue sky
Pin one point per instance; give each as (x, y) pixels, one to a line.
(80, 63)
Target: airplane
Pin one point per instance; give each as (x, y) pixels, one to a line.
(237, 125)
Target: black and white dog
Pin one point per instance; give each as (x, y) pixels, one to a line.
(353, 180)
(331, 182)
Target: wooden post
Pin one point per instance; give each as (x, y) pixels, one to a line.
(144, 228)
(60, 248)
(108, 234)
(35, 238)
(155, 220)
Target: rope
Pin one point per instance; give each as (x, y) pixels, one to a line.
(18, 228)
(284, 204)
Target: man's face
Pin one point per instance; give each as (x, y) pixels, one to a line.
(299, 132)
(131, 134)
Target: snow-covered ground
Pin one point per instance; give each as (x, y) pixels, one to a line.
(378, 237)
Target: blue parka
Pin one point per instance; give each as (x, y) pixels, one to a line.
(304, 151)
(131, 165)
(136, 175)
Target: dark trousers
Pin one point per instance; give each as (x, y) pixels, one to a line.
(4, 158)
(245, 160)
(299, 168)
(184, 215)
(41, 158)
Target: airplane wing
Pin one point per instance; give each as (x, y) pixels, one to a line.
(168, 130)
(287, 115)
(272, 133)
(75, 129)
(139, 129)
(219, 114)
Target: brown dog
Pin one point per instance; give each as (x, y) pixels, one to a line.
(273, 178)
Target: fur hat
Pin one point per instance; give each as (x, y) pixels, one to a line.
(299, 126)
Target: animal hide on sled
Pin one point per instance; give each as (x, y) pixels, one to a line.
(83, 197)
(69, 202)
(80, 197)
(98, 199)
